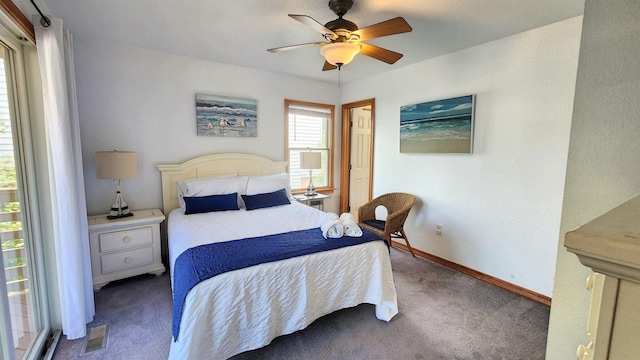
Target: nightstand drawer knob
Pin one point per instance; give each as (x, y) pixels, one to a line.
(128, 259)
(126, 239)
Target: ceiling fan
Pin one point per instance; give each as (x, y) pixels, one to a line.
(344, 40)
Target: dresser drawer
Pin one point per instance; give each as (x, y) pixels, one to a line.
(126, 259)
(126, 239)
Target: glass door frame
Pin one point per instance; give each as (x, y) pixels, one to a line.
(25, 173)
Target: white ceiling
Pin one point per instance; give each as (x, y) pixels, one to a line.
(240, 32)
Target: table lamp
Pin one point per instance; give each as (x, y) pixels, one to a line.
(116, 165)
(310, 160)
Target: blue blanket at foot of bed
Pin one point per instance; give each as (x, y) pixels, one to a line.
(206, 261)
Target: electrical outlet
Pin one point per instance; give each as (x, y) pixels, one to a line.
(439, 229)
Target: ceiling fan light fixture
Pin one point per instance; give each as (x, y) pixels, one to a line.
(340, 52)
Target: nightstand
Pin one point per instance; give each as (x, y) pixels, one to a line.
(125, 247)
(315, 200)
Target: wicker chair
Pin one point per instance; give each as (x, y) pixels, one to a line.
(398, 206)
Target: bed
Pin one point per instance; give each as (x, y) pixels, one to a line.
(245, 308)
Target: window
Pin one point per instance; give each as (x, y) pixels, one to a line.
(309, 127)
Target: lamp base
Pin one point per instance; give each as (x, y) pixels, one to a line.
(112, 217)
(311, 190)
(119, 209)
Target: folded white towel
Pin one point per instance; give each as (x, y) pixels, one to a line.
(331, 226)
(350, 225)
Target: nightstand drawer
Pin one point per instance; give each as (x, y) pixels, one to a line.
(127, 239)
(126, 259)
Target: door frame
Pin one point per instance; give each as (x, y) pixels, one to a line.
(345, 151)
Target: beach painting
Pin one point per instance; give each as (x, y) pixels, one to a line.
(226, 116)
(442, 126)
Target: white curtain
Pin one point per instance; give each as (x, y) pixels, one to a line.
(64, 157)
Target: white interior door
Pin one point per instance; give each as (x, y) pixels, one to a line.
(360, 172)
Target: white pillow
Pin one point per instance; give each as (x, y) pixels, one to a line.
(261, 184)
(215, 185)
(183, 185)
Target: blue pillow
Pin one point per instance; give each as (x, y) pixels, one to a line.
(265, 200)
(203, 204)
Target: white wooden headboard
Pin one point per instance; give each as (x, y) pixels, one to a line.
(213, 165)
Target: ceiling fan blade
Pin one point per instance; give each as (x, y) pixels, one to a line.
(292, 47)
(379, 53)
(315, 25)
(390, 27)
(328, 66)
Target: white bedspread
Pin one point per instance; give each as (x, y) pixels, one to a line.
(245, 309)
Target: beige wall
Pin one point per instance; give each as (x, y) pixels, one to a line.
(603, 168)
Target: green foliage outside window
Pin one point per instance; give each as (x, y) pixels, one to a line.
(11, 226)
(16, 261)
(13, 244)
(13, 206)
(8, 177)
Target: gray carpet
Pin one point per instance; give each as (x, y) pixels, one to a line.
(443, 315)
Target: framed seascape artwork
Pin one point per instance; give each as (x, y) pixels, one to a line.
(442, 126)
(226, 116)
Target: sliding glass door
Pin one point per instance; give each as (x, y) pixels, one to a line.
(22, 325)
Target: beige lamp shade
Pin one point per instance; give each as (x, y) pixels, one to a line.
(116, 164)
(310, 160)
(340, 52)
